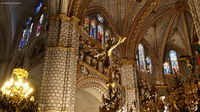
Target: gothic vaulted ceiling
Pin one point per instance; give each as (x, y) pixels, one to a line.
(158, 24)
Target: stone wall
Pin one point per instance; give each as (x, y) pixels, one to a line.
(58, 84)
(129, 81)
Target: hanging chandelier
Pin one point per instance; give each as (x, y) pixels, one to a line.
(17, 92)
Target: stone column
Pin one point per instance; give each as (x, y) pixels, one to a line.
(57, 91)
(129, 81)
(195, 10)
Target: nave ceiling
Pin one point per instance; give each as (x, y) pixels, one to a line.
(158, 24)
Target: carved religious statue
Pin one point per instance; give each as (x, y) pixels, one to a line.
(113, 102)
(111, 46)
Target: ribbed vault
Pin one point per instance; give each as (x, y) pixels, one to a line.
(162, 23)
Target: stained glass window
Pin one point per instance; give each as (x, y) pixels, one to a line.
(100, 18)
(29, 31)
(137, 61)
(149, 65)
(166, 68)
(21, 43)
(86, 24)
(100, 34)
(93, 29)
(107, 35)
(28, 21)
(141, 58)
(38, 7)
(39, 27)
(174, 61)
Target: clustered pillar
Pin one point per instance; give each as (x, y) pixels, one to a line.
(129, 81)
(58, 83)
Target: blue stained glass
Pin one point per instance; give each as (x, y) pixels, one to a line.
(28, 21)
(29, 33)
(93, 29)
(39, 27)
(166, 68)
(37, 9)
(141, 58)
(174, 61)
(21, 43)
(100, 18)
(149, 65)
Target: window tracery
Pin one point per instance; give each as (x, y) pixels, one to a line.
(171, 66)
(96, 27)
(29, 28)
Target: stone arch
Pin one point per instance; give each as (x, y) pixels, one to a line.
(92, 83)
(89, 90)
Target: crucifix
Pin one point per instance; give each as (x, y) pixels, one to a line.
(108, 53)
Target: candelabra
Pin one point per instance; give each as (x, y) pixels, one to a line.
(15, 93)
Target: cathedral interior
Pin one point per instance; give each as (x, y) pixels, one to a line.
(100, 55)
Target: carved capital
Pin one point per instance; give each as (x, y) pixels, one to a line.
(79, 28)
(75, 19)
(128, 62)
(62, 17)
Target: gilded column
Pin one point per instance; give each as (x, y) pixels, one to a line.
(129, 81)
(57, 91)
